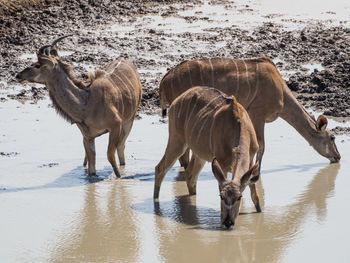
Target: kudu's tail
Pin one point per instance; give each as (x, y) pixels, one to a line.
(162, 101)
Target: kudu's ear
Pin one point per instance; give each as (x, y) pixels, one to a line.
(217, 171)
(321, 123)
(251, 176)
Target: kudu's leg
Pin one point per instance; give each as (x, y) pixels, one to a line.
(174, 150)
(259, 126)
(89, 145)
(255, 197)
(85, 160)
(121, 147)
(114, 137)
(86, 156)
(184, 159)
(191, 173)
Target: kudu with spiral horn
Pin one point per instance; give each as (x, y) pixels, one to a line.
(108, 106)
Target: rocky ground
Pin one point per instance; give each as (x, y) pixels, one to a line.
(104, 30)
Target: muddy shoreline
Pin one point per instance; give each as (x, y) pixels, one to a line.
(314, 59)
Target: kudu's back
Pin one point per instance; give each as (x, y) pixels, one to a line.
(212, 124)
(250, 81)
(124, 87)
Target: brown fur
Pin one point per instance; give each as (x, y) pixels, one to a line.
(258, 86)
(212, 126)
(108, 104)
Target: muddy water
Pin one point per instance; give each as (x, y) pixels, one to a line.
(52, 212)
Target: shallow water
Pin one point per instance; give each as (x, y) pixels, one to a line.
(52, 212)
(247, 15)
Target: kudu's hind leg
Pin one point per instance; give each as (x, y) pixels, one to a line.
(114, 136)
(255, 197)
(191, 173)
(121, 147)
(184, 159)
(174, 150)
(89, 145)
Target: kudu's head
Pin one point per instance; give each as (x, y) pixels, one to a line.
(325, 144)
(40, 71)
(231, 191)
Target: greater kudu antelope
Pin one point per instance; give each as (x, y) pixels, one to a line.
(108, 104)
(213, 126)
(259, 88)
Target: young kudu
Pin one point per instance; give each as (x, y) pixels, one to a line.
(216, 128)
(259, 88)
(108, 104)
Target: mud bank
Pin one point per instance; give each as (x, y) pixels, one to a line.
(312, 54)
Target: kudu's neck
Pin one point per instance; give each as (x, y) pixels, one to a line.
(69, 100)
(297, 117)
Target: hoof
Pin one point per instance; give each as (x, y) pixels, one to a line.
(258, 208)
(192, 191)
(116, 171)
(156, 192)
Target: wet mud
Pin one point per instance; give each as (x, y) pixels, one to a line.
(313, 56)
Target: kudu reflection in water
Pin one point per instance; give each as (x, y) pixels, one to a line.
(262, 237)
(105, 230)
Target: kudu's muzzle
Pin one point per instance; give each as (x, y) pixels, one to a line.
(228, 223)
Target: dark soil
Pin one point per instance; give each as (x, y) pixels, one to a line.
(8, 154)
(341, 130)
(154, 51)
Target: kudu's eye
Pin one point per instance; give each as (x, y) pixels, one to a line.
(332, 137)
(37, 66)
(239, 198)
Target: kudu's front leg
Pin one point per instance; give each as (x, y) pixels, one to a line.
(89, 145)
(174, 150)
(191, 173)
(255, 197)
(85, 160)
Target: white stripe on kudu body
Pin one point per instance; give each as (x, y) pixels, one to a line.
(237, 77)
(118, 64)
(208, 117)
(126, 87)
(201, 73)
(257, 83)
(212, 73)
(189, 73)
(180, 109)
(120, 93)
(130, 89)
(247, 75)
(189, 116)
